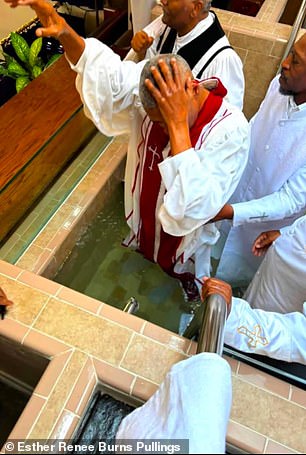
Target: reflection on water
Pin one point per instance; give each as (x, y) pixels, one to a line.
(101, 268)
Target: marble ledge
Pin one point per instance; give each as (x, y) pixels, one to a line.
(130, 355)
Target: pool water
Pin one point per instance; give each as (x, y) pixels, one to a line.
(100, 267)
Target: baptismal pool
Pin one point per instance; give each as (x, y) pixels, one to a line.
(100, 267)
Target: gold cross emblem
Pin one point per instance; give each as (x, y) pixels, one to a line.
(254, 337)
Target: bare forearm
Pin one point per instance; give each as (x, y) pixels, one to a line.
(179, 138)
(226, 213)
(73, 44)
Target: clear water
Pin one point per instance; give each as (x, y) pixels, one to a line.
(100, 267)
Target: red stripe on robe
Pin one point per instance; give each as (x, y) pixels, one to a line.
(151, 182)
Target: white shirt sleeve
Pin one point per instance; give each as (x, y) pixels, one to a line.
(107, 86)
(281, 336)
(290, 199)
(199, 182)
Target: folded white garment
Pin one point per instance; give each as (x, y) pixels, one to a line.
(193, 402)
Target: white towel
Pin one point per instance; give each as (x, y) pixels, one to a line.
(193, 402)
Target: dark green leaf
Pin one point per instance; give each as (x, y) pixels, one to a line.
(21, 83)
(52, 59)
(9, 58)
(36, 71)
(3, 70)
(20, 46)
(14, 69)
(34, 51)
(39, 62)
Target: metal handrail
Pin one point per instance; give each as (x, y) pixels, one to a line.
(211, 336)
(300, 17)
(132, 306)
(209, 322)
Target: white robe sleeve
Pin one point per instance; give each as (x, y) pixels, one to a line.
(191, 405)
(199, 182)
(281, 336)
(107, 86)
(288, 200)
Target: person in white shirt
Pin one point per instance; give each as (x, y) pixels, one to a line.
(271, 318)
(187, 147)
(280, 282)
(272, 190)
(189, 28)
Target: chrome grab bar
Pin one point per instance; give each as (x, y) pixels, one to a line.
(132, 306)
(209, 321)
(211, 336)
(300, 17)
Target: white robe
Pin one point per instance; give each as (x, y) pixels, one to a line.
(272, 191)
(280, 336)
(280, 283)
(192, 405)
(198, 181)
(227, 65)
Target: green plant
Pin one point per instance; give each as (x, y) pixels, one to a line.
(29, 65)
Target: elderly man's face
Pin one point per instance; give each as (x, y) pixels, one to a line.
(178, 13)
(155, 116)
(293, 75)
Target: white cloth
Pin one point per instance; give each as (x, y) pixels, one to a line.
(141, 13)
(227, 65)
(280, 336)
(193, 402)
(280, 283)
(109, 90)
(272, 191)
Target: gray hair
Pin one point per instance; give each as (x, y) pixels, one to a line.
(146, 98)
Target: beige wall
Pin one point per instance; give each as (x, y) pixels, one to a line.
(12, 19)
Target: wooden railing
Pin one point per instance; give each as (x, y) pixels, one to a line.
(41, 129)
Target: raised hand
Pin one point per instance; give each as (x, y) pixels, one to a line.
(53, 23)
(141, 41)
(263, 242)
(173, 94)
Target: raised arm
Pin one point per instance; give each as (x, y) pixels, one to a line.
(54, 25)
